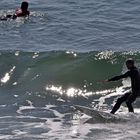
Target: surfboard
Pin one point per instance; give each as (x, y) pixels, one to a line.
(94, 113)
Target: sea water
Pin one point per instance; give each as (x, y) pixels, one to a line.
(55, 59)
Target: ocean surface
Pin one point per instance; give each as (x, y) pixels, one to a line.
(55, 59)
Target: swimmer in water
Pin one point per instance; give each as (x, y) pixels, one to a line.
(20, 12)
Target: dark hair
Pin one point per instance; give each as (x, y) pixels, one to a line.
(24, 5)
(130, 61)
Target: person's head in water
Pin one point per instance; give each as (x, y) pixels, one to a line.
(130, 63)
(24, 6)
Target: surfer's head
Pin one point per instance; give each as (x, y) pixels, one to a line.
(130, 63)
(24, 5)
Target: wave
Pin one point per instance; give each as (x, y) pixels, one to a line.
(34, 70)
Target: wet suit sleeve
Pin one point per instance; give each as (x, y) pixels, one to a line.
(127, 74)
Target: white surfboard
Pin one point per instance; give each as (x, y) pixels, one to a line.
(95, 113)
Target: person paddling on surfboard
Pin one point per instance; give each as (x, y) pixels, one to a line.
(20, 12)
(129, 97)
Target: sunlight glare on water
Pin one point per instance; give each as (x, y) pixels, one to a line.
(72, 92)
(7, 75)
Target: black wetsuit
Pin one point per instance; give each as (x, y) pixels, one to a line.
(129, 97)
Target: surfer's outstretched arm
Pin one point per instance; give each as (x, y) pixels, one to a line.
(127, 74)
(8, 17)
(116, 78)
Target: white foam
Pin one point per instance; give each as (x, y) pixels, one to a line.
(5, 137)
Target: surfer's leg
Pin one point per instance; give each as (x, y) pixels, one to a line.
(119, 102)
(129, 102)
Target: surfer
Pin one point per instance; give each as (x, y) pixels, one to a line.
(20, 12)
(129, 97)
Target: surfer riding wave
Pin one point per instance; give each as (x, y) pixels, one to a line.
(129, 97)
